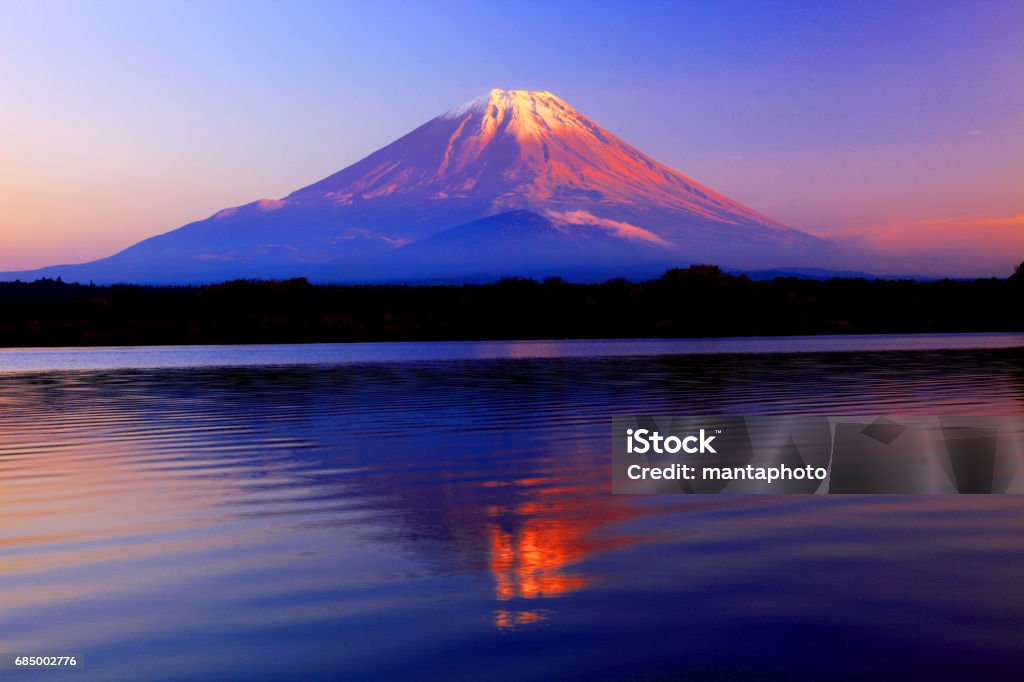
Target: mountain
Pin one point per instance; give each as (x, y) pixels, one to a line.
(520, 243)
(513, 182)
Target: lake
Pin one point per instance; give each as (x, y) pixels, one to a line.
(443, 511)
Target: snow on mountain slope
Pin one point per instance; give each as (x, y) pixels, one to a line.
(510, 152)
(530, 150)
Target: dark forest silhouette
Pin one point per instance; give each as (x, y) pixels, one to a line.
(699, 301)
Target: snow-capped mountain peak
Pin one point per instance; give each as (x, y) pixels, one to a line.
(524, 111)
(512, 172)
(522, 149)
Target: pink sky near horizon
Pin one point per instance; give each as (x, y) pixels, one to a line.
(899, 129)
(93, 220)
(954, 247)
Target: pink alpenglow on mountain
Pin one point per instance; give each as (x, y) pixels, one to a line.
(512, 183)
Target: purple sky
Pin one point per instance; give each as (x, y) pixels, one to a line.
(121, 120)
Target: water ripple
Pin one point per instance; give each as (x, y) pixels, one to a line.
(375, 520)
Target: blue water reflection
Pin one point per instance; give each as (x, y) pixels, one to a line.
(452, 520)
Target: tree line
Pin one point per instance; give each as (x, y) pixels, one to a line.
(699, 301)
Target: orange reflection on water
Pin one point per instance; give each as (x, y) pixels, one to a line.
(536, 546)
(531, 562)
(511, 619)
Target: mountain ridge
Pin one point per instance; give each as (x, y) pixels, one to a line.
(505, 152)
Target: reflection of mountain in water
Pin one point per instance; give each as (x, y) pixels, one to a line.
(437, 520)
(498, 469)
(534, 546)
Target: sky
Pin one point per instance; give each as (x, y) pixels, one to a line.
(121, 120)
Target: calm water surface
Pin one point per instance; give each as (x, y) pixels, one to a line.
(442, 511)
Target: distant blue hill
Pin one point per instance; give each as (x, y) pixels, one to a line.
(822, 274)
